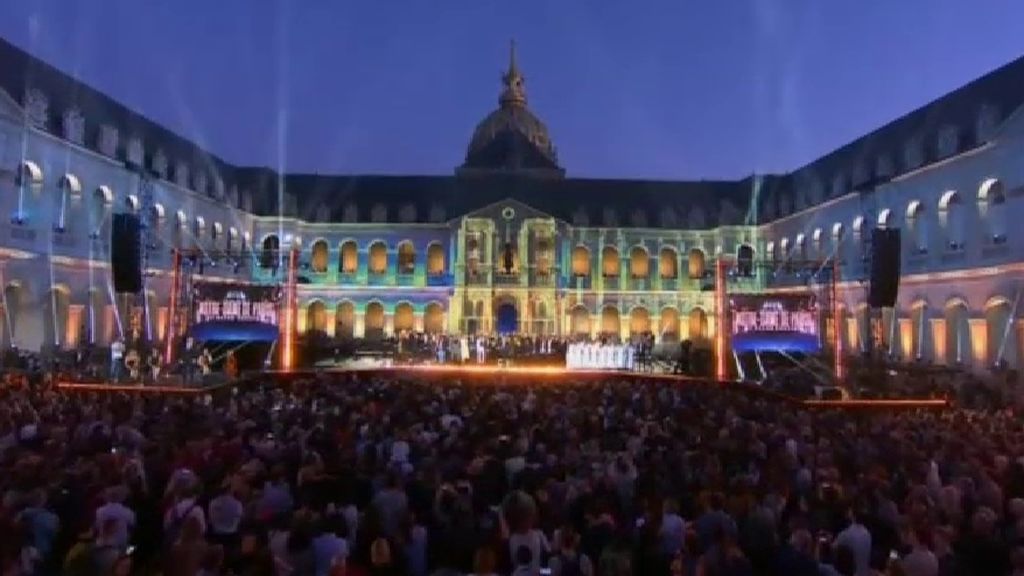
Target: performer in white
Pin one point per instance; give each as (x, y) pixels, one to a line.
(630, 357)
(464, 349)
(618, 361)
(481, 351)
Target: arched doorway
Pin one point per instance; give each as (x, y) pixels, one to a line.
(506, 317)
(610, 262)
(316, 318)
(405, 319)
(435, 260)
(698, 329)
(55, 317)
(10, 306)
(270, 252)
(580, 321)
(373, 321)
(378, 258)
(345, 320)
(433, 319)
(958, 334)
(1002, 337)
(610, 322)
(669, 325)
(639, 321)
(668, 263)
(745, 260)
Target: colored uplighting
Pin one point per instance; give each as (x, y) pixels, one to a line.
(721, 370)
(175, 286)
(288, 326)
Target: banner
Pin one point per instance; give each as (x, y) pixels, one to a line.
(215, 302)
(774, 322)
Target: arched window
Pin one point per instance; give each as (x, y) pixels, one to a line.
(668, 263)
(992, 207)
(435, 260)
(348, 257)
(917, 223)
(131, 203)
(801, 246)
(543, 259)
(837, 237)
(68, 189)
(316, 318)
(610, 262)
(270, 251)
(406, 258)
(639, 262)
(695, 263)
(951, 216)
(378, 258)
(773, 253)
(198, 229)
(473, 254)
(884, 218)
(319, 255)
(580, 262)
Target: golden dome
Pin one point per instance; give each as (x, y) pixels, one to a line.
(511, 137)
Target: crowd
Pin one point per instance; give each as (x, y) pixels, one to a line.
(373, 475)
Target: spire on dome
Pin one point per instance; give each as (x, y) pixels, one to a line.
(514, 93)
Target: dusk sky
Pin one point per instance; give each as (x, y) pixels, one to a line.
(662, 89)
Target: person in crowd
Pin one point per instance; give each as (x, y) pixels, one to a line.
(390, 473)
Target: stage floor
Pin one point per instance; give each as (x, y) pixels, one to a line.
(503, 375)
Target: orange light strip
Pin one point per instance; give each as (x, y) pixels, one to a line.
(837, 334)
(175, 280)
(721, 371)
(288, 326)
(876, 403)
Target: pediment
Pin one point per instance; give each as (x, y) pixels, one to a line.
(507, 210)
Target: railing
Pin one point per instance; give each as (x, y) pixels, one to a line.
(377, 279)
(23, 234)
(439, 280)
(611, 282)
(406, 279)
(670, 284)
(995, 250)
(541, 278)
(580, 282)
(348, 278)
(502, 279)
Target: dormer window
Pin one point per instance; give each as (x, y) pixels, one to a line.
(350, 214)
(949, 141)
(609, 218)
(913, 154)
(407, 213)
(838, 185)
(988, 120)
(883, 166)
(379, 213)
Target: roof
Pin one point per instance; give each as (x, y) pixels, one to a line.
(20, 72)
(506, 163)
(697, 204)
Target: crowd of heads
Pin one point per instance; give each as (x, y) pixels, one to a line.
(384, 474)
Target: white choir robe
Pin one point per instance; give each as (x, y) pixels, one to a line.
(620, 357)
(570, 357)
(630, 357)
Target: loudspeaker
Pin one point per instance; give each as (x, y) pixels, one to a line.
(125, 253)
(885, 267)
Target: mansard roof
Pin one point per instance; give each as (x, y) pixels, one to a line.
(21, 72)
(719, 202)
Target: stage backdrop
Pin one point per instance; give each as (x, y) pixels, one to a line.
(774, 322)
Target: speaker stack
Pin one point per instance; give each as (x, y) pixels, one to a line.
(125, 253)
(885, 268)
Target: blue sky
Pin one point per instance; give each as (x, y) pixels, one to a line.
(648, 89)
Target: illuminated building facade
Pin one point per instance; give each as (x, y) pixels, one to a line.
(509, 242)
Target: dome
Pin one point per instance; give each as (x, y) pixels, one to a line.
(512, 138)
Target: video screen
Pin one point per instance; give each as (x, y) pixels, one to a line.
(774, 322)
(214, 302)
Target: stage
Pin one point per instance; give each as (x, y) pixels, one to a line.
(487, 375)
